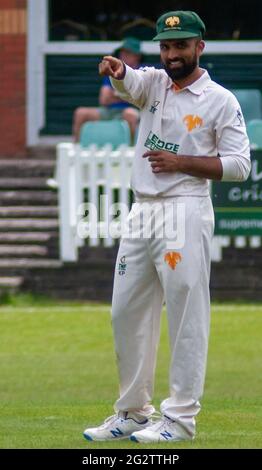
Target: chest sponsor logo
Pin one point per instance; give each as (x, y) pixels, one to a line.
(154, 143)
(192, 121)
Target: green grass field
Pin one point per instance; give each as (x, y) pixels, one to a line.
(58, 375)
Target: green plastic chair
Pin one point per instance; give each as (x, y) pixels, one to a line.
(114, 132)
(250, 101)
(254, 131)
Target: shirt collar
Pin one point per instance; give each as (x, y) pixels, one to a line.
(198, 86)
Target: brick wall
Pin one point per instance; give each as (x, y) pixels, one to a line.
(12, 78)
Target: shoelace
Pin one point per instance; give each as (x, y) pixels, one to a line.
(113, 418)
(161, 423)
(156, 418)
(109, 420)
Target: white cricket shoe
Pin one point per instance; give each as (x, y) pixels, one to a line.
(164, 430)
(118, 426)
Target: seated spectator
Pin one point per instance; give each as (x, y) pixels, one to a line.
(111, 106)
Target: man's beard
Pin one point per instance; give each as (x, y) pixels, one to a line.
(182, 72)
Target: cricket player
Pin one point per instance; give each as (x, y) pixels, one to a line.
(192, 130)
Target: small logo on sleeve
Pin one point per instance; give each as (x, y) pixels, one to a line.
(154, 106)
(239, 119)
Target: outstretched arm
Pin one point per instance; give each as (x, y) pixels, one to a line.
(131, 85)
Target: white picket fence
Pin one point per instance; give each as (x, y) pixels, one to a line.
(89, 169)
(80, 169)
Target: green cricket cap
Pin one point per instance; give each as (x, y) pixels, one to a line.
(179, 25)
(130, 44)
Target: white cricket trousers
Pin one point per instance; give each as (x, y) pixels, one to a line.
(164, 256)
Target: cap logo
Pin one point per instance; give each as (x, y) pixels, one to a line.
(172, 21)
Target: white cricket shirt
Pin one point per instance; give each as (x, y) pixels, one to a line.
(202, 119)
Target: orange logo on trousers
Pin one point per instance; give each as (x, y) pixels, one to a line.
(192, 121)
(172, 258)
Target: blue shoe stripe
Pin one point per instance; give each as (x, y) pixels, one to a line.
(116, 432)
(133, 438)
(166, 435)
(86, 436)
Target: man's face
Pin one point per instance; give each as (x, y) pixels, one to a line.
(180, 57)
